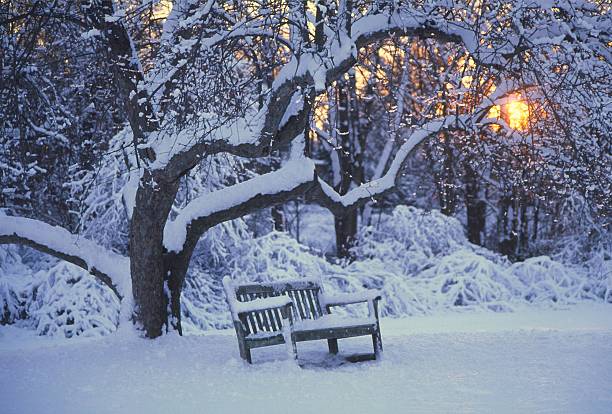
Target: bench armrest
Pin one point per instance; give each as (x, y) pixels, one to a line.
(350, 298)
(370, 296)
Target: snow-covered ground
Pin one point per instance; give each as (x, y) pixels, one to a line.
(530, 361)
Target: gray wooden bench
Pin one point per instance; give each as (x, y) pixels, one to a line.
(292, 311)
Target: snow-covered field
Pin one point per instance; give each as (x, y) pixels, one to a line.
(530, 361)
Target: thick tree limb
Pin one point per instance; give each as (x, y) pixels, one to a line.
(238, 200)
(128, 72)
(110, 268)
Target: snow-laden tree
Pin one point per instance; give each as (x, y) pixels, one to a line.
(202, 94)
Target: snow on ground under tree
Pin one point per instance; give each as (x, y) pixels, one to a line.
(529, 361)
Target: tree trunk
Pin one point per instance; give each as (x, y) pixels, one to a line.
(447, 184)
(346, 231)
(524, 227)
(149, 270)
(176, 270)
(475, 207)
(536, 220)
(506, 240)
(348, 155)
(278, 218)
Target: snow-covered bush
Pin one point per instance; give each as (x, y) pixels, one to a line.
(584, 244)
(60, 300)
(590, 253)
(430, 231)
(11, 305)
(399, 296)
(13, 279)
(68, 301)
(410, 240)
(276, 256)
(421, 262)
(203, 303)
(466, 279)
(547, 280)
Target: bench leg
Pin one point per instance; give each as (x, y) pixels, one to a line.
(332, 344)
(245, 353)
(377, 343)
(293, 349)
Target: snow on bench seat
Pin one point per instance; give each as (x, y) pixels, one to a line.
(264, 335)
(331, 322)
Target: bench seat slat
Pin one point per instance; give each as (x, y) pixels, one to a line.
(334, 333)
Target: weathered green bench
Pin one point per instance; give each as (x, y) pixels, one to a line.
(292, 311)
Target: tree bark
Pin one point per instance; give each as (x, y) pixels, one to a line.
(475, 207)
(346, 230)
(345, 222)
(176, 266)
(447, 181)
(278, 218)
(149, 271)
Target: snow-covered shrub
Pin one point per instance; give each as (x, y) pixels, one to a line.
(14, 276)
(60, 300)
(599, 269)
(399, 296)
(590, 254)
(466, 279)
(410, 240)
(203, 303)
(585, 244)
(430, 231)
(272, 257)
(68, 301)
(11, 305)
(421, 262)
(548, 280)
(276, 256)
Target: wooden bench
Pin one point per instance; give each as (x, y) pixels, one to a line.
(292, 311)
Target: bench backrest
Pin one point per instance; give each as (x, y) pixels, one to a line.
(305, 294)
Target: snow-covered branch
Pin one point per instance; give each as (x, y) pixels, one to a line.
(238, 200)
(258, 132)
(330, 198)
(110, 268)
